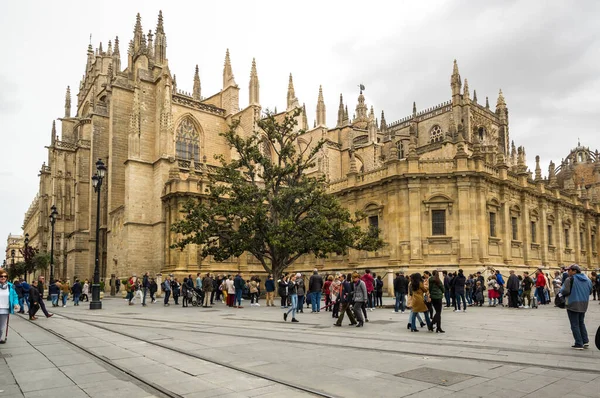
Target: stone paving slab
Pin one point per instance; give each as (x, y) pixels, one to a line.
(501, 352)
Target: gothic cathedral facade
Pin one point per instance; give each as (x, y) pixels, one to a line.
(445, 185)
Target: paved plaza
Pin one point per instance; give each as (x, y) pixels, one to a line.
(132, 351)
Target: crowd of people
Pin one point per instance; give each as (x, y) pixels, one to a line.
(352, 295)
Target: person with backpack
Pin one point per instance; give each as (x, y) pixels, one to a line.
(379, 292)
(526, 284)
(576, 290)
(459, 291)
(166, 287)
(153, 289)
(76, 290)
(400, 291)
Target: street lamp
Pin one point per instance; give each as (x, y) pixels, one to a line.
(26, 256)
(53, 214)
(96, 304)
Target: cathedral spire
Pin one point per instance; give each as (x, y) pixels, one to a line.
(53, 133)
(321, 115)
(466, 94)
(361, 117)
(160, 42)
(90, 57)
(538, 169)
(304, 118)
(254, 88)
(137, 34)
(340, 119)
(455, 84)
(414, 109)
(110, 49)
(292, 101)
(500, 104)
(228, 79)
(475, 96)
(346, 116)
(487, 103)
(383, 126)
(68, 102)
(196, 92)
(150, 44)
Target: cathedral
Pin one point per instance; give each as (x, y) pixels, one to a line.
(445, 185)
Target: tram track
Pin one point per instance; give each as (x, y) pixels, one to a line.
(157, 388)
(194, 327)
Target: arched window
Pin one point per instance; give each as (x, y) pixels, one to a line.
(436, 134)
(400, 149)
(188, 140)
(481, 133)
(266, 149)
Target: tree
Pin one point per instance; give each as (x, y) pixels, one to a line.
(265, 204)
(28, 254)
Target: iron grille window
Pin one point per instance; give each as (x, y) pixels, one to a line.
(492, 224)
(374, 224)
(438, 222)
(515, 228)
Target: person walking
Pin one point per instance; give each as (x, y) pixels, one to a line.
(300, 290)
(493, 294)
(76, 290)
(436, 292)
(153, 288)
(500, 281)
(292, 290)
(315, 287)
(379, 292)
(85, 291)
(526, 285)
(418, 301)
(9, 303)
(166, 286)
(446, 288)
(185, 293)
(400, 291)
(176, 290)
(327, 292)
(230, 291)
(282, 284)
(540, 286)
(334, 293)
(253, 293)
(270, 289)
(65, 289)
(25, 286)
(459, 291)
(145, 287)
(40, 289)
(576, 290)
(360, 298)
(369, 281)
(513, 289)
(207, 288)
(54, 292)
(345, 299)
(238, 283)
(34, 300)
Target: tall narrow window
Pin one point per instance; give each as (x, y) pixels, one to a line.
(533, 232)
(581, 240)
(566, 238)
(492, 224)
(515, 228)
(438, 222)
(188, 141)
(550, 235)
(374, 224)
(593, 237)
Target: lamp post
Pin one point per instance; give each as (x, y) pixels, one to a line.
(96, 304)
(26, 256)
(53, 214)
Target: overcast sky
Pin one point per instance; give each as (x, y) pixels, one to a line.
(545, 56)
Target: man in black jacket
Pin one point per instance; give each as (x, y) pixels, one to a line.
(40, 288)
(400, 291)
(346, 300)
(446, 288)
(34, 300)
(315, 286)
(513, 290)
(459, 290)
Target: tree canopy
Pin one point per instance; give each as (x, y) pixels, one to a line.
(264, 203)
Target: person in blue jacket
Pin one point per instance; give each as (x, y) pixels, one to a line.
(9, 302)
(576, 290)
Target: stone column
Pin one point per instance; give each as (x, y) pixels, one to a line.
(526, 230)
(464, 218)
(543, 232)
(414, 214)
(159, 284)
(390, 282)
